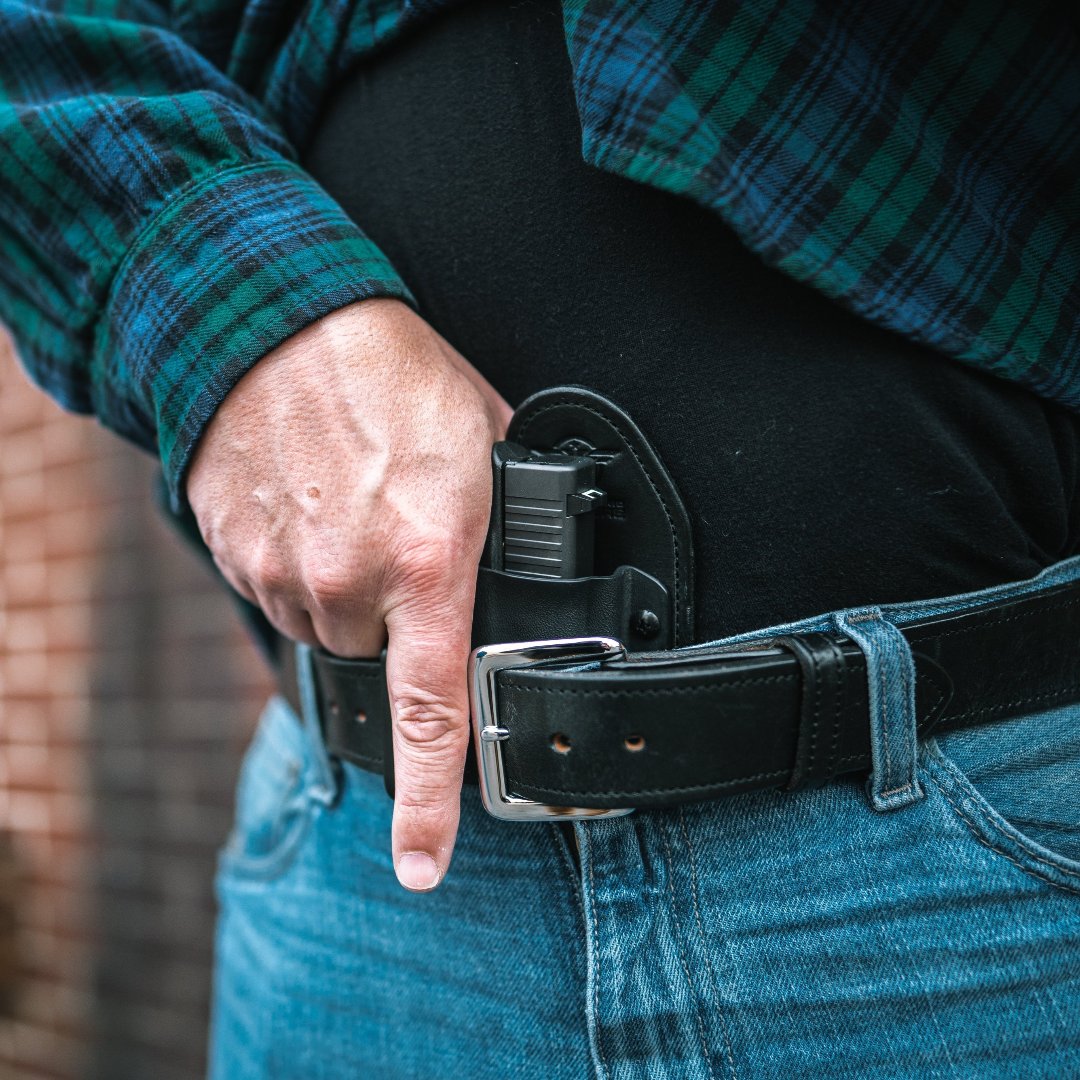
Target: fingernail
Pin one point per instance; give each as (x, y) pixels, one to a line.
(417, 870)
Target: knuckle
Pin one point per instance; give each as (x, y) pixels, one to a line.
(427, 556)
(286, 619)
(428, 723)
(331, 587)
(270, 573)
(433, 564)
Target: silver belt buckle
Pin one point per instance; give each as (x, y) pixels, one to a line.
(484, 664)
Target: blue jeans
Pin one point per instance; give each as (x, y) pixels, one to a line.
(924, 923)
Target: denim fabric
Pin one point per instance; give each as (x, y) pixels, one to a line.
(765, 935)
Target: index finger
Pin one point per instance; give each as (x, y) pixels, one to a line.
(426, 663)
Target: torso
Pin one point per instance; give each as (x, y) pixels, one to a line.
(825, 462)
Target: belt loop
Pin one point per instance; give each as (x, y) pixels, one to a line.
(890, 672)
(824, 698)
(323, 788)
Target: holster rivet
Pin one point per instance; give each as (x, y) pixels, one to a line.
(646, 624)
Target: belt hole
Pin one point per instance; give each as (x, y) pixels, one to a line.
(361, 716)
(634, 743)
(560, 743)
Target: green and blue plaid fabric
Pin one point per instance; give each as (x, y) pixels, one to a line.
(917, 161)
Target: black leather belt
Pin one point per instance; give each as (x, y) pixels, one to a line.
(655, 729)
(607, 711)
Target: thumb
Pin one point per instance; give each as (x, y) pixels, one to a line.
(426, 661)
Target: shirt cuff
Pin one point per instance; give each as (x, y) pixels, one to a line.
(229, 269)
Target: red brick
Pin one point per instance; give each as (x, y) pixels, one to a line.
(53, 1003)
(24, 722)
(21, 406)
(72, 531)
(24, 541)
(25, 583)
(69, 580)
(24, 631)
(44, 1047)
(23, 452)
(117, 850)
(25, 812)
(67, 438)
(68, 626)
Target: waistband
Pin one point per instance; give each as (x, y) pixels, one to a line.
(785, 706)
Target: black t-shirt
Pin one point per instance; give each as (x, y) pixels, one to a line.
(825, 462)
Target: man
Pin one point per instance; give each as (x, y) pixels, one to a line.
(173, 270)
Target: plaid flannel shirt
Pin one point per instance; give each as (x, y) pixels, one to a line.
(917, 161)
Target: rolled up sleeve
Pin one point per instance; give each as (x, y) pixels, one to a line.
(158, 235)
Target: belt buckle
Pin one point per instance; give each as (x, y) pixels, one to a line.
(484, 664)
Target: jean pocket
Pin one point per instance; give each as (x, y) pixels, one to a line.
(273, 807)
(1014, 784)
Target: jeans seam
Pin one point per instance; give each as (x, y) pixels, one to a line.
(275, 864)
(704, 944)
(885, 736)
(702, 1035)
(907, 695)
(561, 844)
(594, 953)
(975, 830)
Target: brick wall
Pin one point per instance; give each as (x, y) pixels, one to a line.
(127, 692)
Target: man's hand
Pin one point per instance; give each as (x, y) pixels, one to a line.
(344, 485)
